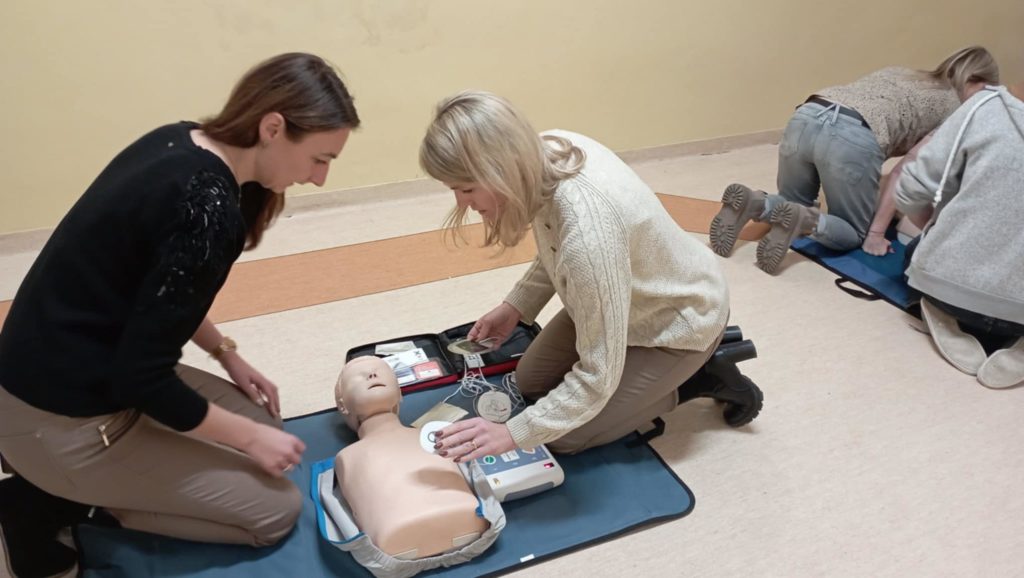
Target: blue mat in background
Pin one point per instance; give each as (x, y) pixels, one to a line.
(607, 491)
(881, 277)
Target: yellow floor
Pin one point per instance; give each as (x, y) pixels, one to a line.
(872, 457)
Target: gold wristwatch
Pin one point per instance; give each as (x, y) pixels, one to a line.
(226, 345)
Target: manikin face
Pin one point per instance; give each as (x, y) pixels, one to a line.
(367, 387)
(282, 162)
(482, 200)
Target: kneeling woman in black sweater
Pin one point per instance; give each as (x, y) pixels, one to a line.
(94, 405)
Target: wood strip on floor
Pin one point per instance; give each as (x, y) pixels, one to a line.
(293, 281)
(289, 282)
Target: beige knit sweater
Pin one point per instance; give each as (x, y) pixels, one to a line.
(627, 275)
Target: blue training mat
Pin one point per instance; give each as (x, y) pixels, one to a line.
(880, 276)
(607, 491)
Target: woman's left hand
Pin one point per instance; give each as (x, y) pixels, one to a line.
(473, 438)
(260, 390)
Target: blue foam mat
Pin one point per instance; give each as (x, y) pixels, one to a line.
(879, 276)
(607, 491)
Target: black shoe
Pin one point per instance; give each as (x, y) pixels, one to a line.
(747, 405)
(29, 521)
(720, 380)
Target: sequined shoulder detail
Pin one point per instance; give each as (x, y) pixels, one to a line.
(204, 243)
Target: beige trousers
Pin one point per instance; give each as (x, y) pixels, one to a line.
(150, 477)
(647, 389)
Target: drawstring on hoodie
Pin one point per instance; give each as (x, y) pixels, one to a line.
(956, 144)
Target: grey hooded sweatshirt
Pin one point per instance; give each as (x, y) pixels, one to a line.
(971, 254)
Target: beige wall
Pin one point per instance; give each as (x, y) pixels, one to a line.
(80, 80)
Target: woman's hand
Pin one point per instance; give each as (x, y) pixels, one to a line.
(877, 245)
(473, 438)
(260, 390)
(275, 451)
(497, 323)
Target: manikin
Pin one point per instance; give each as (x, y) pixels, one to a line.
(411, 503)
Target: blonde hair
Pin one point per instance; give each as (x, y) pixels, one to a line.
(479, 137)
(966, 66)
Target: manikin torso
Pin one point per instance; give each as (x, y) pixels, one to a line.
(411, 503)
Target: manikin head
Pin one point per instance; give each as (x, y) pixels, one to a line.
(366, 387)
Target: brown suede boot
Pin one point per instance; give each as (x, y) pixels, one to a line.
(789, 221)
(740, 204)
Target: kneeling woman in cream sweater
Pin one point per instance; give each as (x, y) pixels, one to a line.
(645, 304)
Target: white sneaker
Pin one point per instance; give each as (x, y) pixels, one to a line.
(961, 349)
(1004, 368)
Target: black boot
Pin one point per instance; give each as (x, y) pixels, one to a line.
(719, 379)
(30, 519)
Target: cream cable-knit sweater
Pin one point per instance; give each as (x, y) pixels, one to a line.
(627, 274)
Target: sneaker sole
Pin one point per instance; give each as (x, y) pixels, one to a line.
(734, 214)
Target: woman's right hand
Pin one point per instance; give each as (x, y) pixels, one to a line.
(877, 245)
(498, 323)
(274, 450)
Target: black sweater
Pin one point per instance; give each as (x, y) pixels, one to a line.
(123, 283)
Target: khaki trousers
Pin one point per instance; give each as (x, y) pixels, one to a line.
(150, 477)
(647, 389)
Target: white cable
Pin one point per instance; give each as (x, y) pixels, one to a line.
(512, 389)
(473, 384)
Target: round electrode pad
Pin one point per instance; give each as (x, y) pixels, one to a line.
(427, 440)
(494, 406)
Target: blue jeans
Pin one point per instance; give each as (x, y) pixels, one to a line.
(822, 148)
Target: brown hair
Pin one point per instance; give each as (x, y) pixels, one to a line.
(303, 88)
(966, 66)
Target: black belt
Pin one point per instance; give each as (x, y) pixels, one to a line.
(843, 110)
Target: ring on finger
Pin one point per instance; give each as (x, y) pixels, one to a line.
(288, 468)
(473, 443)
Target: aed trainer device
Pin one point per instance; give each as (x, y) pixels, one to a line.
(520, 473)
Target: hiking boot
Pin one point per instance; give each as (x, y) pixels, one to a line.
(740, 204)
(789, 221)
(29, 521)
(1004, 368)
